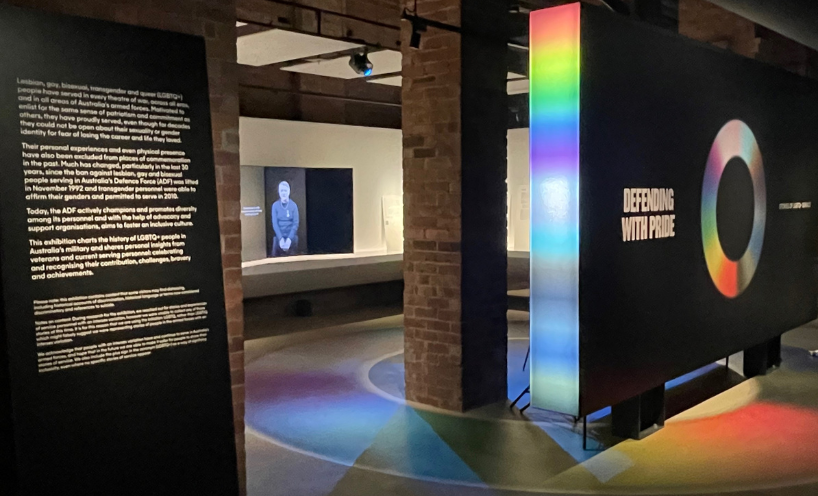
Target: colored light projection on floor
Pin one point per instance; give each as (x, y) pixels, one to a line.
(319, 399)
(554, 163)
(734, 140)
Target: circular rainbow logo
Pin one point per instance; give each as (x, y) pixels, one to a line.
(735, 140)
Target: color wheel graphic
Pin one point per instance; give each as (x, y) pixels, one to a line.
(734, 140)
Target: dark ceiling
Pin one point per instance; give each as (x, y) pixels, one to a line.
(795, 19)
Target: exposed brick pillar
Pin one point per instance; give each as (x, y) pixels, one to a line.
(703, 21)
(454, 173)
(216, 21)
(783, 52)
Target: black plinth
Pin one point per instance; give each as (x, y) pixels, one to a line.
(759, 359)
(640, 416)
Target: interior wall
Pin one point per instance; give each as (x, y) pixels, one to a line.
(374, 155)
(518, 191)
(253, 232)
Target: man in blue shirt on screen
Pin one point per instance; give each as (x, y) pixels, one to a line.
(285, 223)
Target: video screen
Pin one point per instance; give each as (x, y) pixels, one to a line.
(290, 211)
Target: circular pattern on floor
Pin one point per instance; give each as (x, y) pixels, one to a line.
(340, 399)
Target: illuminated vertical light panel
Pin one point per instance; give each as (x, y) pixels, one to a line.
(554, 162)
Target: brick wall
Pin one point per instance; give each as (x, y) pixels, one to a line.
(703, 21)
(216, 21)
(385, 11)
(783, 52)
(454, 170)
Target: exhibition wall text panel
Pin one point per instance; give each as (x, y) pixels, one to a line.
(114, 329)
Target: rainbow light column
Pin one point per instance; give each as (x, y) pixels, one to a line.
(554, 73)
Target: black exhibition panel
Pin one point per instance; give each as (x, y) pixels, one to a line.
(652, 106)
(330, 209)
(114, 329)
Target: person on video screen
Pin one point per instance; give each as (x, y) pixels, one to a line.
(285, 223)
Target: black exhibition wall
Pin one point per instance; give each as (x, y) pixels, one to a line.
(113, 331)
(698, 181)
(329, 204)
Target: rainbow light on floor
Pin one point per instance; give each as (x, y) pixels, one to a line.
(554, 160)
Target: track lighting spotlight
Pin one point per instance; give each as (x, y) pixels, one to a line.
(361, 64)
(417, 27)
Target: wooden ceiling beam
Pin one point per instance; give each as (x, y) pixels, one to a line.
(271, 93)
(275, 79)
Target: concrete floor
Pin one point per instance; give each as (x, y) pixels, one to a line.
(325, 416)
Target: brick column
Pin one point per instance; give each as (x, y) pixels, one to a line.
(703, 21)
(454, 172)
(216, 21)
(783, 52)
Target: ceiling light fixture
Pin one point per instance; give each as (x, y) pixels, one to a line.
(361, 64)
(417, 27)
